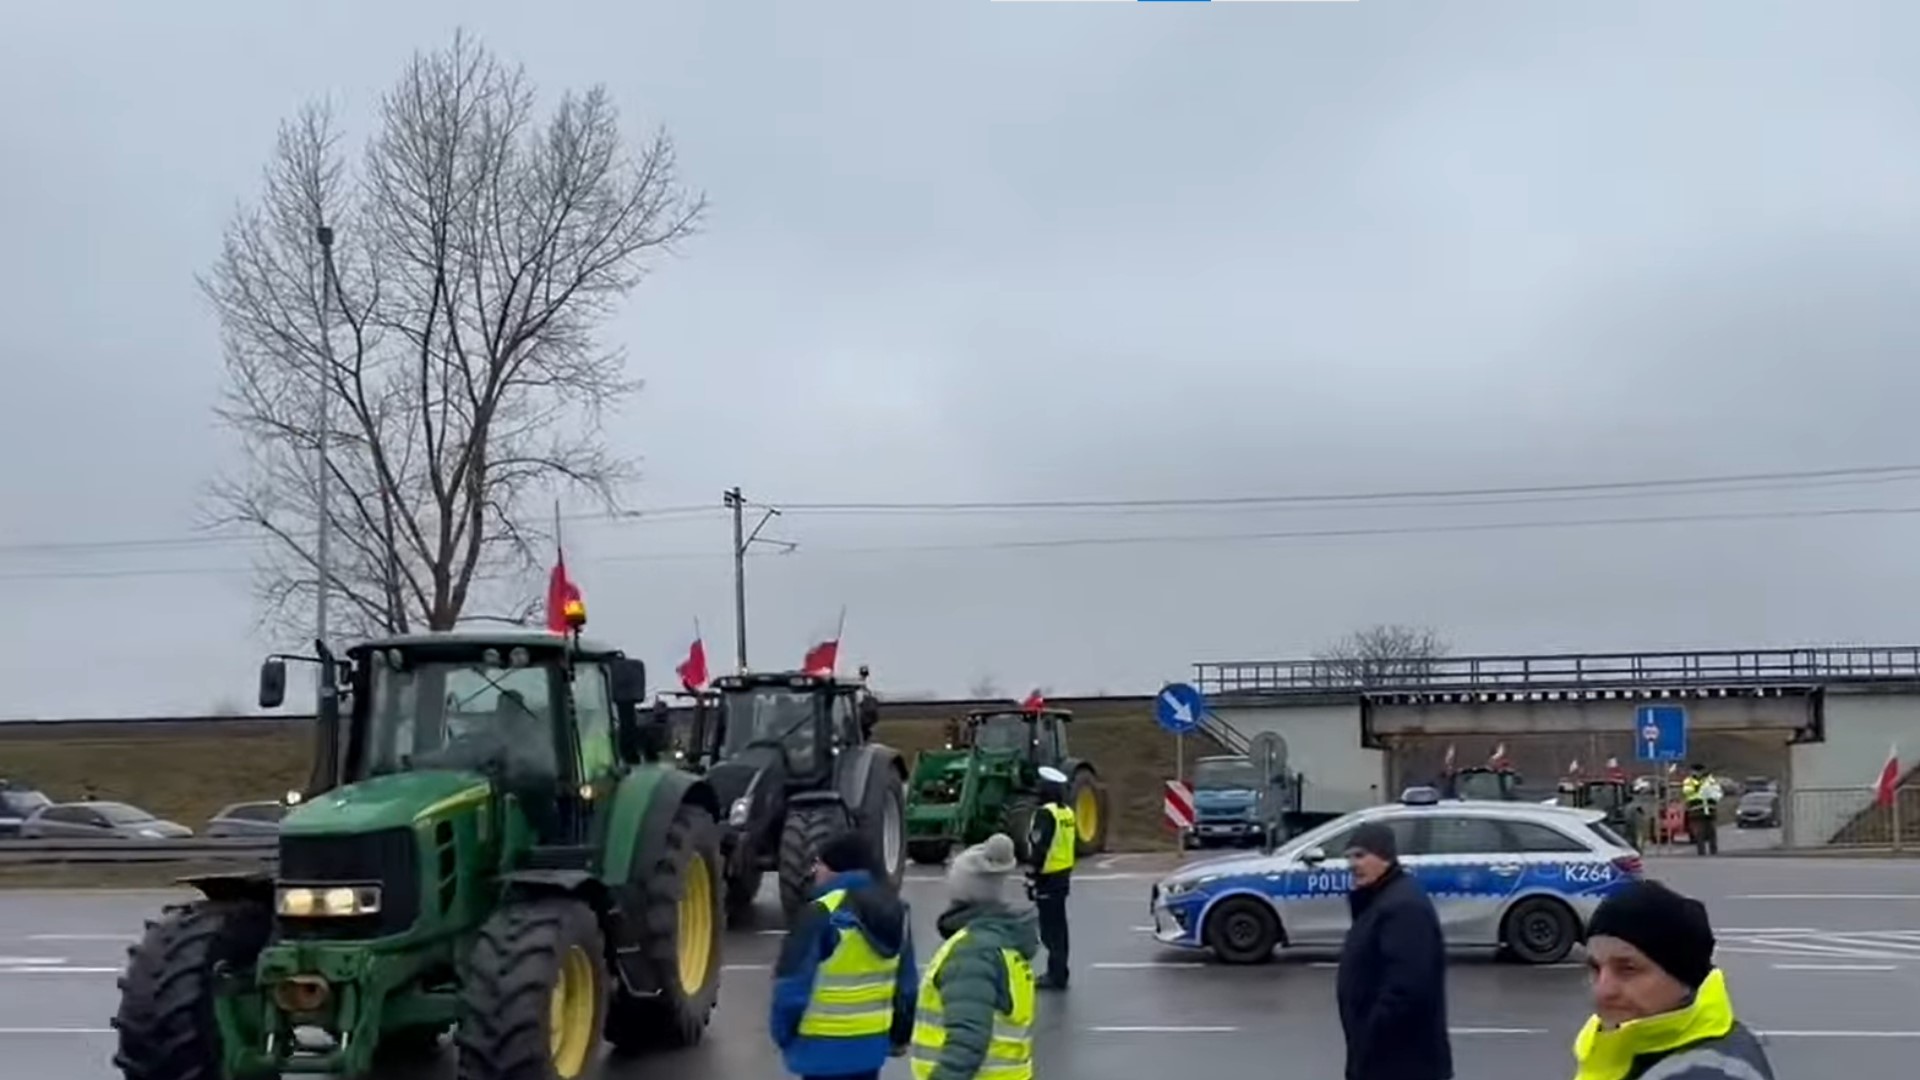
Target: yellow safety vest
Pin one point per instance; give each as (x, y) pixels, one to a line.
(1060, 852)
(1009, 1053)
(1690, 793)
(852, 988)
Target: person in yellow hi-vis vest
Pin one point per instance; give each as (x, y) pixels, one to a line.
(1051, 849)
(975, 1015)
(844, 988)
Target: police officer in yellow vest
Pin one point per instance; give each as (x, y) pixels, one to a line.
(1700, 792)
(844, 989)
(1051, 851)
(975, 1020)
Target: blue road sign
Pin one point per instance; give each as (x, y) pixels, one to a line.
(1179, 708)
(1660, 733)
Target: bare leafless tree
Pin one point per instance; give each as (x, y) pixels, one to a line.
(984, 688)
(478, 249)
(1385, 655)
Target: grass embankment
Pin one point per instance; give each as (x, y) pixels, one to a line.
(188, 771)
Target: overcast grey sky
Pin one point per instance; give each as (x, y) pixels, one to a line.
(961, 250)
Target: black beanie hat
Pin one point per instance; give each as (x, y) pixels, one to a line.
(845, 852)
(1374, 839)
(1671, 929)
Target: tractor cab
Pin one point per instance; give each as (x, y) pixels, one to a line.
(1037, 737)
(1481, 783)
(790, 720)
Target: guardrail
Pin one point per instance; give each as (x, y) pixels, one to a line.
(1570, 671)
(14, 851)
(1849, 817)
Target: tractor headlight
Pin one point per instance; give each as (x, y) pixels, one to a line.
(338, 901)
(737, 814)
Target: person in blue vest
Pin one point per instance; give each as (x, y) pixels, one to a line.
(845, 987)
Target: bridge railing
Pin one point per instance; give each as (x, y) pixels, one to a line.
(1569, 671)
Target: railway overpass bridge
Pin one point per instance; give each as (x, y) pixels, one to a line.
(1819, 720)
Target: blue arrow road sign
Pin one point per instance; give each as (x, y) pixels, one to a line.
(1179, 708)
(1660, 733)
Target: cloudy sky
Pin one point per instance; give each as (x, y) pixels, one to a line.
(962, 251)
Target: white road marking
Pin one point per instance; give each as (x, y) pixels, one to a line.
(1836, 967)
(1765, 930)
(84, 937)
(1824, 896)
(1135, 965)
(55, 1031)
(1141, 929)
(746, 967)
(1495, 1031)
(59, 970)
(1841, 1034)
(1121, 876)
(770, 933)
(1166, 1029)
(30, 961)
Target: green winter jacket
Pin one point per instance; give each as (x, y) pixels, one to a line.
(973, 981)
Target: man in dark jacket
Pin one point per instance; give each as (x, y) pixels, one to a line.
(977, 1002)
(845, 987)
(1392, 985)
(1660, 1007)
(1051, 848)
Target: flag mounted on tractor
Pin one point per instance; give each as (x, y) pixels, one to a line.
(823, 653)
(693, 670)
(565, 609)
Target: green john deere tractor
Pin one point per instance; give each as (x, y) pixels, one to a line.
(987, 781)
(488, 846)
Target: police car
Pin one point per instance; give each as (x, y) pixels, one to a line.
(1521, 878)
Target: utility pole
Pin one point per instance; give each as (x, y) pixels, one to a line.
(322, 566)
(742, 540)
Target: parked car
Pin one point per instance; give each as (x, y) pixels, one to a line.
(99, 821)
(260, 819)
(1517, 877)
(18, 802)
(1757, 810)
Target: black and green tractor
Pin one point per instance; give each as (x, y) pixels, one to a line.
(792, 758)
(987, 780)
(490, 847)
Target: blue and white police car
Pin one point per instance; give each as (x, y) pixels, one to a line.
(1521, 878)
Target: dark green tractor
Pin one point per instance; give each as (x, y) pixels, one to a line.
(987, 781)
(791, 756)
(489, 847)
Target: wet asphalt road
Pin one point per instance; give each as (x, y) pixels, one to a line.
(1822, 954)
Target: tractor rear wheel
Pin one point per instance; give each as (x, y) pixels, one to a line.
(1088, 799)
(533, 993)
(682, 923)
(165, 1021)
(1016, 820)
(883, 822)
(807, 827)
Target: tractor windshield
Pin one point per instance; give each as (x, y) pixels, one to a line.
(768, 714)
(1226, 775)
(1484, 785)
(1002, 731)
(449, 715)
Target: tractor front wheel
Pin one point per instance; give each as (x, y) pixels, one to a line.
(166, 1019)
(1088, 799)
(807, 828)
(883, 821)
(533, 994)
(683, 924)
(1017, 822)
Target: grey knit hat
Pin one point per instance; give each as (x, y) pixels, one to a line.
(979, 874)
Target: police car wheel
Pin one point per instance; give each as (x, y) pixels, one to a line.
(1539, 931)
(1243, 930)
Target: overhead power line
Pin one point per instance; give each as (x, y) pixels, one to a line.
(1160, 539)
(1414, 498)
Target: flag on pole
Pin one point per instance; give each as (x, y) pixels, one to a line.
(565, 610)
(1499, 758)
(1034, 703)
(693, 670)
(1883, 788)
(1614, 771)
(823, 655)
(1447, 766)
(1573, 767)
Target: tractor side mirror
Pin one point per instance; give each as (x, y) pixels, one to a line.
(629, 682)
(869, 716)
(273, 683)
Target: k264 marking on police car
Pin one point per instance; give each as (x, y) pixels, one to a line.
(1589, 873)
